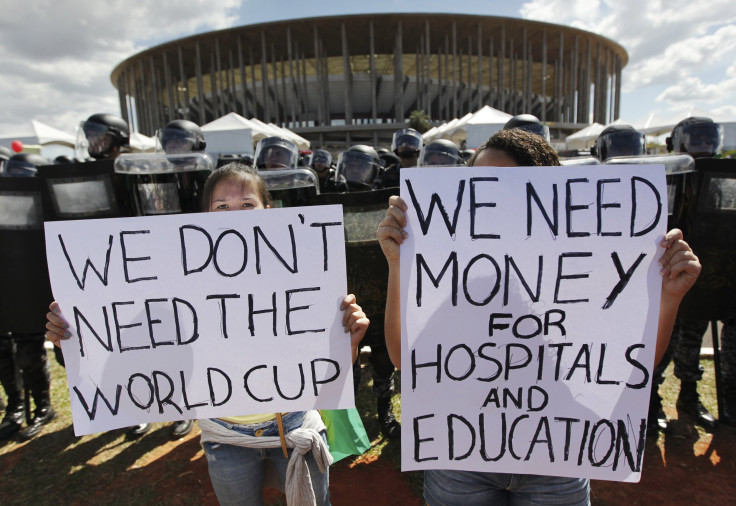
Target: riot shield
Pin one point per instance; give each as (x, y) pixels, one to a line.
(291, 187)
(81, 190)
(367, 270)
(157, 183)
(26, 292)
(711, 232)
(680, 174)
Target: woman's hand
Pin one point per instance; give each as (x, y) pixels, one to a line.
(391, 233)
(354, 321)
(57, 328)
(680, 266)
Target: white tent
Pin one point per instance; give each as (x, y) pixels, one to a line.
(458, 132)
(485, 122)
(142, 143)
(294, 137)
(232, 134)
(585, 138)
(40, 134)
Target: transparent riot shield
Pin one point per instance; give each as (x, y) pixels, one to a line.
(710, 229)
(291, 187)
(81, 190)
(26, 292)
(157, 183)
(680, 173)
(580, 160)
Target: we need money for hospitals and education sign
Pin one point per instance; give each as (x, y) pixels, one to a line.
(202, 315)
(530, 301)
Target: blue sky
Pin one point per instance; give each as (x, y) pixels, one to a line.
(56, 57)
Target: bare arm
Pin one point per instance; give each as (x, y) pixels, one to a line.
(680, 269)
(354, 321)
(390, 236)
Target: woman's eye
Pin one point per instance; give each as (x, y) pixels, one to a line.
(222, 206)
(247, 204)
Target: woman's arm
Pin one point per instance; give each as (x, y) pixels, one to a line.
(680, 269)
(354, 321)
(391, 235)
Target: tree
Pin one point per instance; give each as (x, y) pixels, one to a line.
(419, 121)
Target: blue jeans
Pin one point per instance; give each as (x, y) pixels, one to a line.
(237, 472)
(448, 488)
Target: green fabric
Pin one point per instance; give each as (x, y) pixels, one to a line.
(345, 432)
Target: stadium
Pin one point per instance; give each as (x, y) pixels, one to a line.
(342, 80)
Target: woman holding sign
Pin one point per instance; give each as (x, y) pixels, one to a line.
(238, 448)
(679, 269)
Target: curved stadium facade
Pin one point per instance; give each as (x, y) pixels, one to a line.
(343, 80)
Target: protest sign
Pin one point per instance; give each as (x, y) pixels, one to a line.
(530, 301)
(202, 315)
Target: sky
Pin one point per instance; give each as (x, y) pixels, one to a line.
(56, 56)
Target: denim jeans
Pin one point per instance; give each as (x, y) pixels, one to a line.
(237, 472)
(466, 488)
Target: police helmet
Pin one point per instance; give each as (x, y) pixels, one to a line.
(698, 137)
(441, 152)
(102, 133)
(406, 143)
(23, 165)
(181, 136)
(467, 154)
(359, 166)
(224, 159)
(530, 123)
(276, 153)
(62, 159)
(619, 140)
(321, 160)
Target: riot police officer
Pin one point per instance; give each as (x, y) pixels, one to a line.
(619, 140)
(276, 153)
(358, 169)
(699, 137)
(530, 123)
(441, 152)
(103, 135)
(322, 166)
(23, 358)
(391, 165)
(406, 144)
(181, 136)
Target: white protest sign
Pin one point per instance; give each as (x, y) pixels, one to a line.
(202, 315)
(530, 301)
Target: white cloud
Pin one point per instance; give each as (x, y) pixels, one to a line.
(57, 56)
(672, 44)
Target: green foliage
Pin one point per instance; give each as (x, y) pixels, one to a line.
(419, 121)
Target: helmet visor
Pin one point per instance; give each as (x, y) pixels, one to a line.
(19, 168)
(174, 141)
(439, 156)
(96, 138)
(357, 167)
(702, 138)
(626, 143)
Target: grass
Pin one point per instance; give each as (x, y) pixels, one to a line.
(57, 467)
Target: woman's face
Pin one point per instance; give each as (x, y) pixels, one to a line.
(235, 195)
(492, 157)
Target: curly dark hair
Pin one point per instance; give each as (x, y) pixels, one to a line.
(238, 172)
(525, 148)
